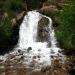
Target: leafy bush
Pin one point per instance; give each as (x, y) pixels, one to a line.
(12, 7)
(66, 29)
(8, 36)
(5, 28)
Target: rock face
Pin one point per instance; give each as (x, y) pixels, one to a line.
(18, 18)
(43, 30)
(48, 9)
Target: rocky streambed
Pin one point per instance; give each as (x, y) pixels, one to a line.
(13, 64)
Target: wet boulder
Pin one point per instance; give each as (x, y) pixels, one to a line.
(29, 48)
(43, 30)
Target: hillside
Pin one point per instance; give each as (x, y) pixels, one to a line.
(62, 13)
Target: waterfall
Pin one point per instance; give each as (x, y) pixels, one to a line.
(28, 37)
(28, 31)
(36, 54)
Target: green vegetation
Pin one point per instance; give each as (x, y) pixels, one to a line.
(66, 29)
(5, 28)
(14, 6)
(8, 34)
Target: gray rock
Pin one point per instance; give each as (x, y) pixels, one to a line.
(43, 30)
(29, 48)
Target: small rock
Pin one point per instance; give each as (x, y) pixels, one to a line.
(52, 52)
(22, 57)
(34, 57)
(59, 51)
(20, 52)
(51, 56)
(1, 60)
(38, 56)
(29, 48)
(11, 56)
(43, 69)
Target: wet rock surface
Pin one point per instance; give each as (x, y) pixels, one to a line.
(43, 30)
(13, 66)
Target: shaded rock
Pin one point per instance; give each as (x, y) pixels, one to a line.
(22, 57)
(29, 48)
(60, 51)
(43, 30)
(11, 56)
(34, 57)
(48, 10)
(52, 52)
(1, 60)
(52, 56)
(44, 69)
(39, 56)
(18, 18)
(57, 63)
(20, 52)
(32, 64)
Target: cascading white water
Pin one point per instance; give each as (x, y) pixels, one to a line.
(35, 54)
(27, 38)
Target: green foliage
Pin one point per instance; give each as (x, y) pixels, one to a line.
(66, 28)
(5, 28)
(14, 6)
(11, 7)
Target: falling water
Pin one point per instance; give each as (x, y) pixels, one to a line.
(28, 37)
(36, 54)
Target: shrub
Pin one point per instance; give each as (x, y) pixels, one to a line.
(5, 28)
(12, 7)
(66, 28)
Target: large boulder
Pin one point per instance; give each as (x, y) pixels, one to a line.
(43, 30)
(48, 10)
